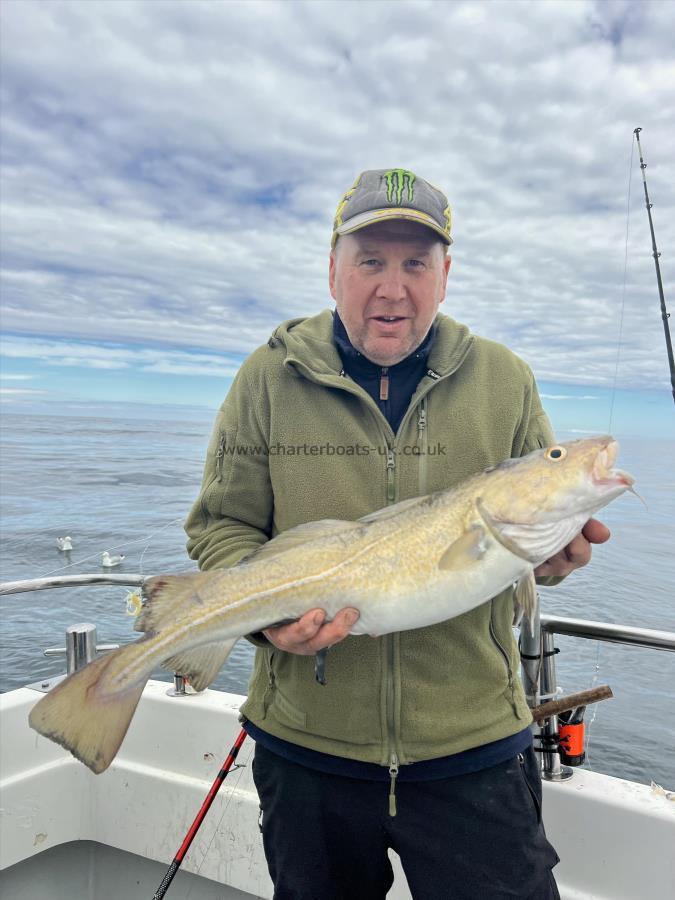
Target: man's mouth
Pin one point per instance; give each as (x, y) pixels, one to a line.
(389, 319)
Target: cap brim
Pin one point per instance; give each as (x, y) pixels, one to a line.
(363, 220)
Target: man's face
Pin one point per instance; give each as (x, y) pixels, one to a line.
(388, 281)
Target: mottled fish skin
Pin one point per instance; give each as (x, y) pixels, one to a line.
(413, 564)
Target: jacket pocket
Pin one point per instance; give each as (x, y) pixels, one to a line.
(276, 702)
(504, 656)
(286, 711)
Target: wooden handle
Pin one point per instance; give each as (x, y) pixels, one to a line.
(583, 698)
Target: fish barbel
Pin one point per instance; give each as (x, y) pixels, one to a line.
(412, 564)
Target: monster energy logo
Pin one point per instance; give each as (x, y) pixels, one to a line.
(399, 181)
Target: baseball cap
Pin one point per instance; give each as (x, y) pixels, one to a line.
(379, 195)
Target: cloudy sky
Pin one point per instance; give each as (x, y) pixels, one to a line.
(170, 171)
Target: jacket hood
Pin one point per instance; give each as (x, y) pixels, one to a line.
(309, 344)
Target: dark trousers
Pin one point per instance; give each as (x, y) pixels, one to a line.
(462, 838)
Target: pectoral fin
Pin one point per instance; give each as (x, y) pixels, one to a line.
(200, 665)
(526, 599)
(467, 550)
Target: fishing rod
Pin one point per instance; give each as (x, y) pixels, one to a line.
(194, 828)
(655, 253)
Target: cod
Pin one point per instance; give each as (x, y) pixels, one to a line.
(412, 564)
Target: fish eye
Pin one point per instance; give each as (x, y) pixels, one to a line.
(556, 453)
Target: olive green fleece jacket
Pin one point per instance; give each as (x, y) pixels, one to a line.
(296, 440)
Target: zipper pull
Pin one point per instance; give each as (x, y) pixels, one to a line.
(391, 463)
(393, 774)
(384, 384)
(422, 421)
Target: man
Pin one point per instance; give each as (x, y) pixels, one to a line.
(419, 741)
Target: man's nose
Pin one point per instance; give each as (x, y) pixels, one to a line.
(391, 285)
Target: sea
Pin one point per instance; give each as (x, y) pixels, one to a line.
(125, 482)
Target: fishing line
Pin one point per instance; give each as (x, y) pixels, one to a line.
(594, 681)
(623, 292)
(230, 797)
(147, 538)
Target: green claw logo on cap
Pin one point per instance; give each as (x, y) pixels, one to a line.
(398, 182)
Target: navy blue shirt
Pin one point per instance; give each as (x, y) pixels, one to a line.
(403, 379)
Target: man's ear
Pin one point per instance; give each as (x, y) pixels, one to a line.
(447, 262)
(331, 274)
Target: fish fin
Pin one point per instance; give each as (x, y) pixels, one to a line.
(200, 665)
(466, 550)
(494, 524)
(165, 597)
(84, 719)
(301, 534)
(394, 509)
(525, 604)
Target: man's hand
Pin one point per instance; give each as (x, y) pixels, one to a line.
(309, 633)
(577, 553)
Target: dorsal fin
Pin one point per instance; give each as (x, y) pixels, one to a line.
(301, 534)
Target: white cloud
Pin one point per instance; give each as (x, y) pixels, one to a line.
(18, 393)
(545, 396)
(109, 356)
(171, 170)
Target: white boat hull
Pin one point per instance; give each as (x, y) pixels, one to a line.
(62, 827)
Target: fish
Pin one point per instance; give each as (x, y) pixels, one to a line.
(412, 564)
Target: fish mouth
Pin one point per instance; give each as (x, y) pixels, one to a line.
(602, 473)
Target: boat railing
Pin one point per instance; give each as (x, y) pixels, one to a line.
(537, 648)
(59, 581)
(538, 652)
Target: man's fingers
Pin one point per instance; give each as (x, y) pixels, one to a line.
(578, 551)
(288, 637)
(309, 634)
(595, 532)
(334, 631)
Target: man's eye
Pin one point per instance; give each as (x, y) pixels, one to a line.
(370, 262)
(415, 263)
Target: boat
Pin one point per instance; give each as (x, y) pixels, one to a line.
(67, 833)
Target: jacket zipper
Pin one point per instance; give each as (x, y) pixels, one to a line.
(505, 657)
(393, 775)
(269, 691)
(423, 439)
(390, 638)
(391, 465)
(384, 384)
(220, 454)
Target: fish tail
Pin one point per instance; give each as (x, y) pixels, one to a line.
(87, 713)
